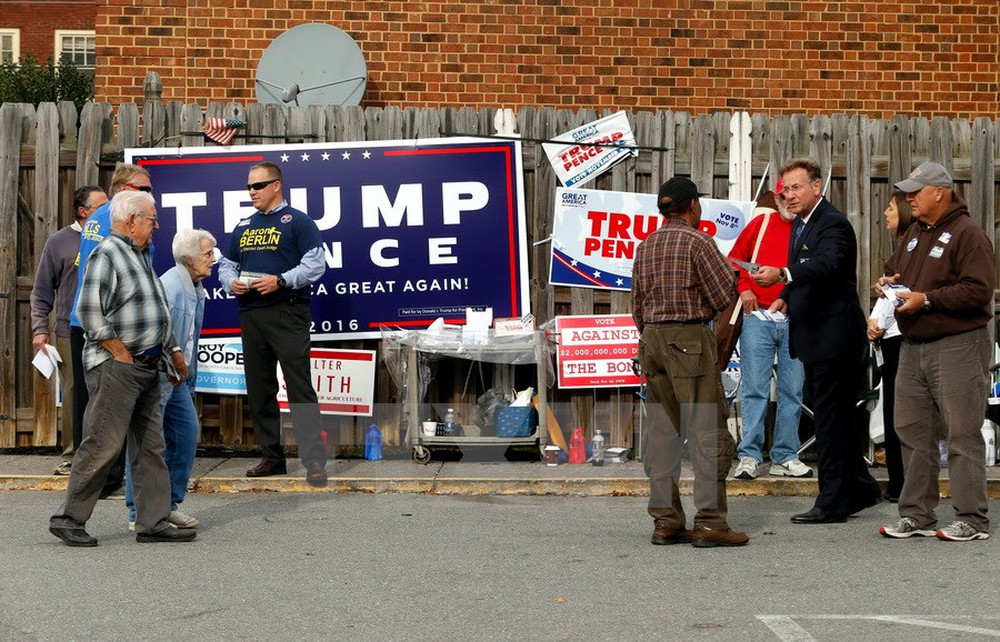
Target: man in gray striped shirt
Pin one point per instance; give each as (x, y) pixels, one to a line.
(128, 341)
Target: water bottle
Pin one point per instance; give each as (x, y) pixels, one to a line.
(989, 437)
(598, 449)
(577, 447)
(449, 423)
(373, 443)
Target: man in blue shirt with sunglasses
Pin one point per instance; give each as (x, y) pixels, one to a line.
(272, 260)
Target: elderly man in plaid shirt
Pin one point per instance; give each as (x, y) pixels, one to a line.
(680, 281)
(124, 312)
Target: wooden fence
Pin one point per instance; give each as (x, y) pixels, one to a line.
(46, 152)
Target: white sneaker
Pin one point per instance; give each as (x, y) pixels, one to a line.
(791, 468)
(182, 520)
(961, 532)
(904, 528)
(131, 527)
(747, 468)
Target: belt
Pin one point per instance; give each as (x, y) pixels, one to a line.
(686, 322)
(146, 360)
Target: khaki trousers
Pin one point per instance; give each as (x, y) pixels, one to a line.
(941, 391)
(685, 400)
(124, 406)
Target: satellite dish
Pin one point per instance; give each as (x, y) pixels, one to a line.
(312, 64)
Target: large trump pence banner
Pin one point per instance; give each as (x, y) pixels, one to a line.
(412, 231)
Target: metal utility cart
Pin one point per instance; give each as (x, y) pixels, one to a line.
(519, 349)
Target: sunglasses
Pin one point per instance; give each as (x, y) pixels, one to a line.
(259, 185)
(141, 188)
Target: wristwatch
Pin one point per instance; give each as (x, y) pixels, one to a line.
(281, 281)
(927, 303)
(783, 275)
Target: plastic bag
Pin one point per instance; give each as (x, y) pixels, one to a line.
(523, 398)
(487, 405)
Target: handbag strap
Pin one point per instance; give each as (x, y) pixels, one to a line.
(760, 237)
(738, 308)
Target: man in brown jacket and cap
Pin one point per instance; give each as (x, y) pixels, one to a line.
(946, 260)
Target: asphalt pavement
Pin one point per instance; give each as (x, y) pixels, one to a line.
(422, 566)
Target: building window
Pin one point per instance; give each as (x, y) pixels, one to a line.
(78, 47)
(10, 45)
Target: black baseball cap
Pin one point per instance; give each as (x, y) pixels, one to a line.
(677, 190)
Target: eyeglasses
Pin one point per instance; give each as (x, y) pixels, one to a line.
(153, 219)
(794, 188)
(141, 188)
(259, 185)
(208, 254)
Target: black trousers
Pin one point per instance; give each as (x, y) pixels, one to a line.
(845, 485)
(277, 334)
(893, 451)
(81, 396)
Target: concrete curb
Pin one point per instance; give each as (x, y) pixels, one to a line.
(582, 486)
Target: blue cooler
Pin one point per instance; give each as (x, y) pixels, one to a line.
(516, 421)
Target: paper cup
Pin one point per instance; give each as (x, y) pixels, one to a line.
(429, 427)
(552, 455)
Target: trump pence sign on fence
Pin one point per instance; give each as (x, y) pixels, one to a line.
(595, 233)
(412, 230)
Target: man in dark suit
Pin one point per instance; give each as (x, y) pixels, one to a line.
(827, 329)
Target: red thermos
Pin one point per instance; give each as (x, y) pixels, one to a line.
(577, 447)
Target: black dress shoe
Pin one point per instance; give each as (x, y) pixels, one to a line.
(73, 536)
(892, 499)
(316, 474)
(169, 534)
(268, 467)
(818, 516)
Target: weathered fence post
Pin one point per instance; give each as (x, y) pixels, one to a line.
(740, 158)
(10, 161)
(46, 211)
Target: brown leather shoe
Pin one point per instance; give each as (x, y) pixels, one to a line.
(316, 474)
(707, 537)
(664, 535)
(268, 467)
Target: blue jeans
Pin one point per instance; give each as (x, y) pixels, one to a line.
(759, 342)
(180, 431)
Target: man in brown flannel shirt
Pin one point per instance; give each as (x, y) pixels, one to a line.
(680, 281)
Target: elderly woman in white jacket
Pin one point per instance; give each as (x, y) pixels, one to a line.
(884, 333)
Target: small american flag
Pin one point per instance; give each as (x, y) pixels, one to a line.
(222, 130)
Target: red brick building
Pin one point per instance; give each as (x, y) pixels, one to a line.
(49, 29)
(776, 56)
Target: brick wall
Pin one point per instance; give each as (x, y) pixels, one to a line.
(39, 20)
(776, 56)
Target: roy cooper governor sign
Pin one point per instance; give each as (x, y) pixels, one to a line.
(412, 230)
